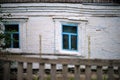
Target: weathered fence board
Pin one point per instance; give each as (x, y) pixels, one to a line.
(53, 71)
(29, 71)
(20, 71)
(88, 63)
(41, 71)
(119, 71)
(88, 72)
(6, 67)
(77, 72)
(99, 72)
(65, 70)
(72, 61)
(110, 73)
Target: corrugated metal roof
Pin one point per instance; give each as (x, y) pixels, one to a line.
(59, 1)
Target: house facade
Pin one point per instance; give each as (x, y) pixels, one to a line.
(90, 29)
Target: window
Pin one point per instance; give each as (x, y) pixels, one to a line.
(12, 35)
(69, 37)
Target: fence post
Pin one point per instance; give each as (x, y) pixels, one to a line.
(41, 71)
(6, 67)
(29, 71)
(20, 71)
(53, 72)
(65, 72)
(88, 72)
(99, 72)
(77, 72)
(110, 73)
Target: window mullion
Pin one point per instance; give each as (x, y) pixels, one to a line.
(69, 41)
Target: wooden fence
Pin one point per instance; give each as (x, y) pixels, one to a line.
(88, 63)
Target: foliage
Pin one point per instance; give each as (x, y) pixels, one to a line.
(2, 36)
(2, 43)
(36, 77)
(71, 78)
(5, 39)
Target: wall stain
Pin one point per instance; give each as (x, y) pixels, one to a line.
(89, 46)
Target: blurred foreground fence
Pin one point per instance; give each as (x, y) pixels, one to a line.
(88, 63)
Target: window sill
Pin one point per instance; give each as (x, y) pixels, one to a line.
(14, 50)
(72, 52)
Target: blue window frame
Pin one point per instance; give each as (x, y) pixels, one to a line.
(12, 35)
(69, 37)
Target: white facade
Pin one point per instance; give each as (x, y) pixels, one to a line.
(40, 26)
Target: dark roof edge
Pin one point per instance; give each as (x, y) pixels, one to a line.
(102, 4)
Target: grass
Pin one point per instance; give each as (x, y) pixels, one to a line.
(48, 77)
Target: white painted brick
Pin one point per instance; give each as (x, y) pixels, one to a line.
(104, 32)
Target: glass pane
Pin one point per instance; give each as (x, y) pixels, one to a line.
(65, 42)
(11, 28)
(12, 39)
(7, 40)
(69, 29)
(15, 40)
(74, 42)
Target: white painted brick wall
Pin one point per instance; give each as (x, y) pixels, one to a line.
(37, 26)
(105, 37)
(104, 32)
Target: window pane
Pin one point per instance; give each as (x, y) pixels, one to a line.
(12, 36)
(11, 28)
(69, 29)
(15, 40)
(74, 42)
(7, 40)
(65, 42)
